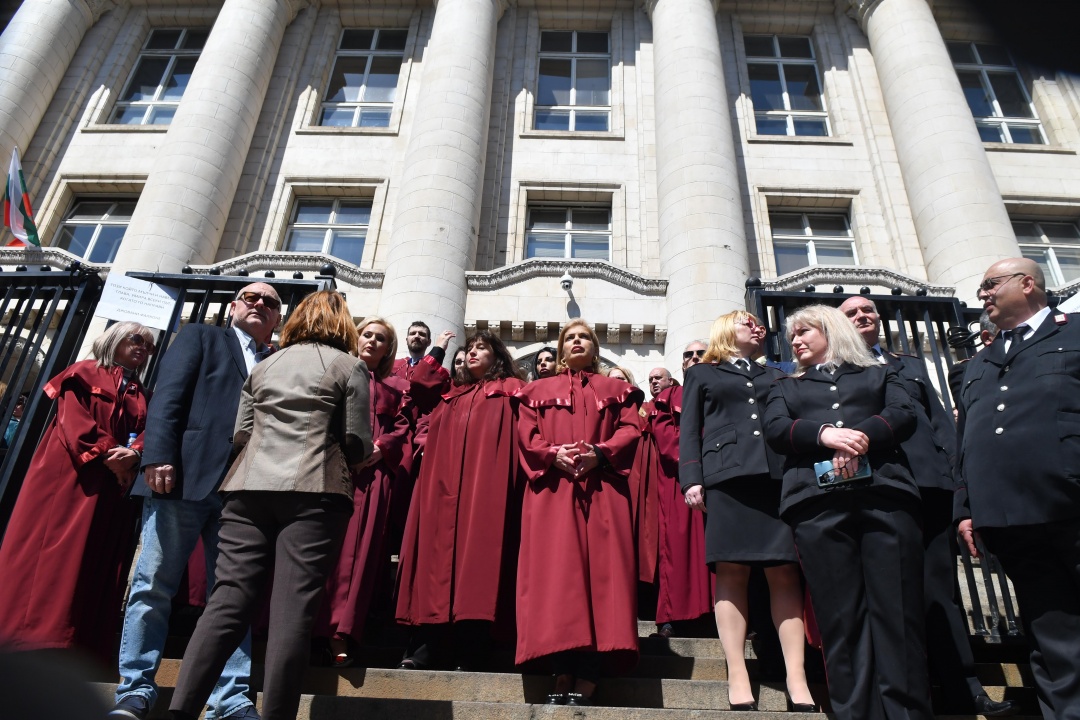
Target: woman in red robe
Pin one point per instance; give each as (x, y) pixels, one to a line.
(577, 572)
(69, 543)
(363, 563)
(458, 557)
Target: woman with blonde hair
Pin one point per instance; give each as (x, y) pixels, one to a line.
(66, 553)
(853, 505)
(577, 574)
(363, 566)
(727, 470)
(620, 373)
(304, 420)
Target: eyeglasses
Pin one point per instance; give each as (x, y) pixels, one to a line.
(251, 298)
(693, 353)
(991, 284)
(139, 341)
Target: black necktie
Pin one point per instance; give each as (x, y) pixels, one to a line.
(743, 364)
(1016, 336)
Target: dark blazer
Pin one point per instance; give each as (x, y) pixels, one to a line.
(1019, 430)
(723, 424)
(871, 399)
(189, 423)
(931, 449)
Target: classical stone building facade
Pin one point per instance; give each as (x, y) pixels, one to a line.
(455, 158)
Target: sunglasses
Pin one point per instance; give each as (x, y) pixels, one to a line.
(693, 353)
(139, 341)
(251, 298)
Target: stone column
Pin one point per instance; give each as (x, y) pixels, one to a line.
(35, 50)
(959, 215)
(433, 241)
(184, 205)
(703, 251)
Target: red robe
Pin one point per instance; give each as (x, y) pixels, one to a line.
(363, 565)
(459, 554)
(577, 574)
(428, 379)
(684, 581)
(68, 546)
(643, 495)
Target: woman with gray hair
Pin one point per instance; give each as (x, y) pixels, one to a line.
(852, 503)
(69, 542)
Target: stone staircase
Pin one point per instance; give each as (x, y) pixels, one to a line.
(676, 679)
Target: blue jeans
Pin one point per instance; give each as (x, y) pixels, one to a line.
(169, 532)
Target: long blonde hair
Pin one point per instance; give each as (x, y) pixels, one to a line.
(845, 345)
(722, 344)
(560, 360)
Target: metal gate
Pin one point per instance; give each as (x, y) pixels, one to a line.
(919, 326)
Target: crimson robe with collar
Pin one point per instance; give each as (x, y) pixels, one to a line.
(68, 546)
(577, 570)
(643, 495)
(459, 552)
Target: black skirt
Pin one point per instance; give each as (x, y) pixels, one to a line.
(743, 523)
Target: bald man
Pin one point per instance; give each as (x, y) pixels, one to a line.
(1019, 440)
(659, 379)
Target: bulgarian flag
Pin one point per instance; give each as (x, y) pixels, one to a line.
(18, 217)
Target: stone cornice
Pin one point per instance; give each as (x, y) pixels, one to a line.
(294, 262)
(52, 257)
(649, 5)
(860, 10)
(490, 280)
(100, 7)
(854, 277)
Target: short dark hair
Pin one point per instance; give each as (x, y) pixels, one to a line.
(504, 365)
(419, 323)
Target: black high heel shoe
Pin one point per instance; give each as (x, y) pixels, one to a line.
(744, 707)
(802, 707)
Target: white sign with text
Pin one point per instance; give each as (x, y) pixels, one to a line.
(126, 298)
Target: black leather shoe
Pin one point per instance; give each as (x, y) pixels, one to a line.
(745, 707)
(802, 707)
(556, 698)
(994, 708)
(577, 699)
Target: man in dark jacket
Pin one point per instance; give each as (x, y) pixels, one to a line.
(1020, 469)
(189, 428)
(930, 451)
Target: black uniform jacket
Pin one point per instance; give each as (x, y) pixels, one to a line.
(723, 424)
(931, 449)
(1020, 429)
(872, 400)
(189, 423)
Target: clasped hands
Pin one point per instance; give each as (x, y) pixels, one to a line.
(577, 458)
(848, 444)
(124, 464)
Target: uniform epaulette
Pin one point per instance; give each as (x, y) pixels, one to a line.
(1061, 318)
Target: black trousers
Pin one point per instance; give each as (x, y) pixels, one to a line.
(1043, 562)
(296, 535)
(861, 552)
(948, 644)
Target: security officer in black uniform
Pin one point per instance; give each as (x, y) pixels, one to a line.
(930, 452)
(1019, 439)
(859, 543)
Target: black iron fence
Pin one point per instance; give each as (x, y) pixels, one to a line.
(919, 326)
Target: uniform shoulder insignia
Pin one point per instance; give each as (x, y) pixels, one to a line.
(642, 412)
(1061, 318)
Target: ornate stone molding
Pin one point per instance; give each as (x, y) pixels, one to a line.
(859, 10)
(52, 257)
(489, 280)
(854, 277)
(293, 262)
(295, 6)
(100, 7)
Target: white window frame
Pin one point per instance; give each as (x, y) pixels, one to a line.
(1055, 278)
(370, 54)
(808, 237)
(787, 113)
(174, 54)
(573, 56)
(568, 231)
(999, 120)
(328, 227)
(108, 219)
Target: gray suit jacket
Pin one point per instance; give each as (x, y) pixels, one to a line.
(304, 417)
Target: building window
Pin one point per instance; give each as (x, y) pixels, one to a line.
(161, 75)
(582, 233)
(94, 227)
(1054, 245)
(573, 91)
(363, 84)
(996, 94)
(784, 85)
(335, 227)
(804, 239)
